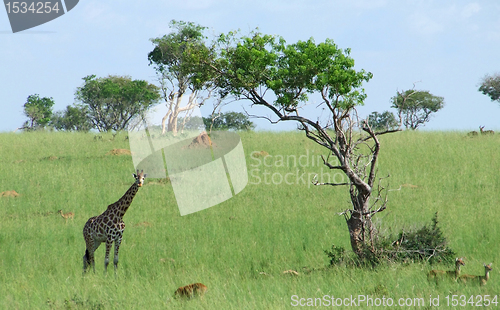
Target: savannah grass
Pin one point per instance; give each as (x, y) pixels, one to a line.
(239, 248)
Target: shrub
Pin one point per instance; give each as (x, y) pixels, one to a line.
(426, 243)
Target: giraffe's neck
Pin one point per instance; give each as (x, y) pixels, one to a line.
(121, 206)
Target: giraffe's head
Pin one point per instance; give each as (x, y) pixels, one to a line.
(139, 177)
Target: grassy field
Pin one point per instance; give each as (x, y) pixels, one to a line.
(241, 247)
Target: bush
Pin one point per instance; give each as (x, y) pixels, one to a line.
(336, 255)
(424, 244)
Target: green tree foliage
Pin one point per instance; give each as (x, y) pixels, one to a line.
(490, 86)
(229, 121)
(176, 58)
(382, 121)
(415, 107)
(74, 118)
(111, 102)
(268, 72)
(38, 110)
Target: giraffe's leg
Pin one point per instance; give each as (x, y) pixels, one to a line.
(86, 237)
(95, 246)
(88, 258)
(117, 248)
(86, 261)
(109, 243)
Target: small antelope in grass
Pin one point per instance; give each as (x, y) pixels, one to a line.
(479, 279)
(486, 132)
(66, 216)
(454, 274)
(191, 290)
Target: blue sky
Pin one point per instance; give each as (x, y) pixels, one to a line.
(445, 46)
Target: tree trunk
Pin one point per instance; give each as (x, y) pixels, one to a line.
(359, 223)
(172, 124)
(355, 226)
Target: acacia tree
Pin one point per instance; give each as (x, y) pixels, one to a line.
(111, 102)
(416, 106)
(38, 110)
(176, 58)
(269, 72)
(490, 86)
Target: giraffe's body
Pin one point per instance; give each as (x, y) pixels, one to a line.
(109, 226)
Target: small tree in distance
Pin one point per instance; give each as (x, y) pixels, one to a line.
(415, 107)
(39, 111)
(490, 86)
(382, 121)
(111, 102)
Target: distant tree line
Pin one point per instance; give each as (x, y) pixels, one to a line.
(108, 104)
(415, 107)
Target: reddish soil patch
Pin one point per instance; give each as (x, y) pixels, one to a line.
(143, 224)
(119, 152)
(9, 194)
(202, 140)
(260, 154)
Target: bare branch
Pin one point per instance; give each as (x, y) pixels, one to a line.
(315, 182)
(326, 163)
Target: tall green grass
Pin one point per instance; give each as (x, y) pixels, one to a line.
(240, 248)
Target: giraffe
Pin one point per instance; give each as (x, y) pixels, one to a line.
(109, 226)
